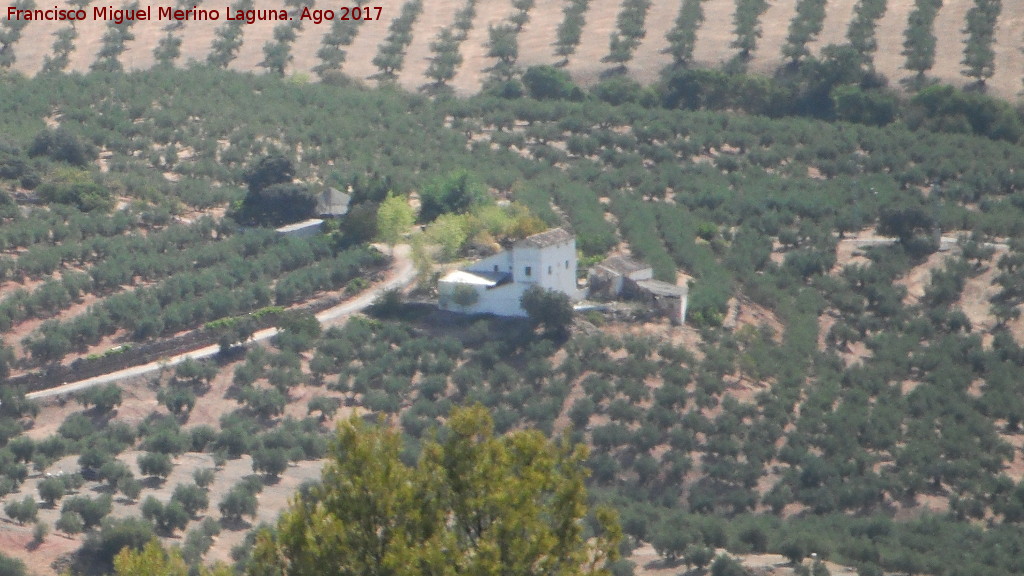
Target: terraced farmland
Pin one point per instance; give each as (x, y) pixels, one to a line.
(35, 45)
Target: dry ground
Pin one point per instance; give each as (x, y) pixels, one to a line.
(139, 402)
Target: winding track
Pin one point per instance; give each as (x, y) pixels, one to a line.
(402, 274)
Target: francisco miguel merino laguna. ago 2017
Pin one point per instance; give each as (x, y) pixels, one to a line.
(121, 15)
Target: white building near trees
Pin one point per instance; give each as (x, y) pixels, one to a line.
(495, 285)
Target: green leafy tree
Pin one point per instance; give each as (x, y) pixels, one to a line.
(238, 502)
(155, 464)
(548, 308)
(549, 83)
(861, 32)
(979, 56)
(51, 490)
(683, 37)
(804, 27)
(104, 398)
(473, 504)
(153, 560)
(447, 58)
(167, 50)
(570, 31)
(12, 566)
(270, 461)
(630, 31)
(457, 192)
(22, 511)
(919, 42)
(70, 523)
(394, 218)
(747, 26)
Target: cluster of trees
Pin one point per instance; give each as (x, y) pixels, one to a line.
(747, 27)
(631, 30)
(60, 53)
(919, 42)
(10, 33)
(273, 197)
(114, 43)
(979, 57)
(474, 501)
(332, 52)
(228, 38)
(503, 45)
(447, 58)
(803, 28)
(277, 54)
(682, 38)
(861, 32)
(570, 30)
(390, 55)
(168, 49)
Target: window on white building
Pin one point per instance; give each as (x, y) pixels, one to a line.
(529, 270)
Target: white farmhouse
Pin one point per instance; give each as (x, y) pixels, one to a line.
(495, 284)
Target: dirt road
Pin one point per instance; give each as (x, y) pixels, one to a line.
(400, 276)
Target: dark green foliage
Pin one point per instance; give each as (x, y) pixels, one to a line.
(683, 36)
(100, 546)
(239, 501)
(727, 566)
(270, 461)
(12, 566)
(273, 199)
(52, 489)
(103, 398)
(447, 58)
(391, 53)
(76, 189)
(803, 28)
(948, 109)
(549, 83)
(919, 42)
(70, 523)
(277, 54)
(873, 108)
(547, 308)
(571, 28)
(456, 193)
(155, 464)
(191, 497)
(91, 510)
(630, 31)
(62, 145)
(22, 511)
(979, 57)
(861, 32)
(747, 26)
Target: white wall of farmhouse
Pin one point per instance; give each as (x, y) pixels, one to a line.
(547, 260)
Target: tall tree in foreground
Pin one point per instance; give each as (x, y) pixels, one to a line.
(473, 504)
